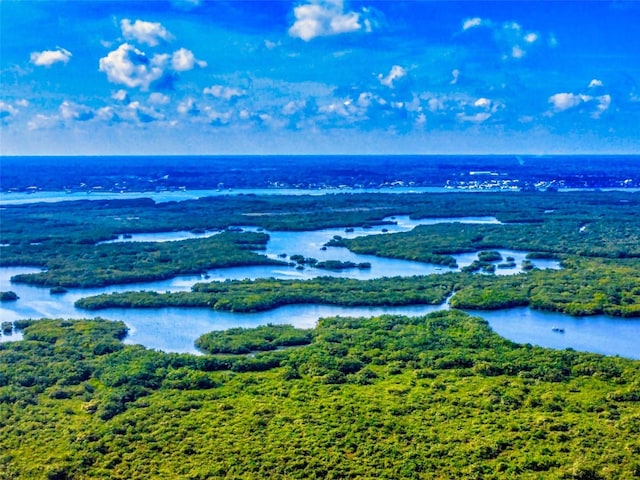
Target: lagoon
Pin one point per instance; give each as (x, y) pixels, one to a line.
(175, 329)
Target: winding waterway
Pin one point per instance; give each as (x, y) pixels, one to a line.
(175, 329)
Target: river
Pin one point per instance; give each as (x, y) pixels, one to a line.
(175, 329)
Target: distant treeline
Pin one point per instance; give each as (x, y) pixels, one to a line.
(205, 172)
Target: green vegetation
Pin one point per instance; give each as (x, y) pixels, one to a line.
(489, 256)
(583, 287)
(263, 338)
(439, 396)
(57, 290)
(339, 265)
(607, 216)
(608, 238)
(115, 263)
(265, 294)
(8, 296)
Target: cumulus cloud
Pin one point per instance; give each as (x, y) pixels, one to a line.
(131, 67)
(471, 23)
(75, 111)
(224, 93)
(595, 83)
(183, 60)
(482, 103)
(150, 33)
(318, 18)
(158, 98)
(396, 73)
(46, 58)
(596, 105)
(565, 101)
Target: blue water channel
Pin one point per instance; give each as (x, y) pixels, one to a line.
(175, 329)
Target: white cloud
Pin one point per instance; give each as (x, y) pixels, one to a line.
(41, 121)
(471, 23)
(46, 58)
(150, 33)
(512, 26)
(603, 103)
(396, 73)
(75, 111)
(337, 107)
(319, 18)
(455, 75)
(293, 107)
(219, 118)
(106, 114)
(120, 96)
(517, 52)
(482, 103)
(365, 99)
(22, 103)
(595, 83)
(158, 98)
(564, 101)
(138, 112)
(129, 66)
(475, 118)
(511, 38)
(183, 60)
(225, 93)
(435, 104)
(7, 110)
(271, 45)
(188, 107)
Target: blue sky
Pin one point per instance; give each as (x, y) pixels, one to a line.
(319, 76)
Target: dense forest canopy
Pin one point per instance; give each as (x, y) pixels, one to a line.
(439, 396)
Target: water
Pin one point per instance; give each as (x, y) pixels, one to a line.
(175, 329)
(22, 198)
(598, 333)
(311, 244)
